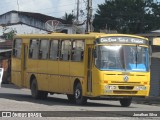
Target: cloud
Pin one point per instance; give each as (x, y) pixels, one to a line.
(35, 5)
(41, 6)
(65, 6)
(56, 8)
(7, 5)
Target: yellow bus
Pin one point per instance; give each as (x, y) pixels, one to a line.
(82, 66)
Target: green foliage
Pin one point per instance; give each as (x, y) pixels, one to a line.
(128, 16)
(69, 18)
(9, 35)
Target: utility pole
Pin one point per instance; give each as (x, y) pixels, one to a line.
(77, 11)
(89, 16)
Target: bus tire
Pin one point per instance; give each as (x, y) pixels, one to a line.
(79, 99)
(34, 89)
(37, 94)
(71, 98)
(126, 102)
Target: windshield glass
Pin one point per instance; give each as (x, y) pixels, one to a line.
(136, 58)
(130, 58)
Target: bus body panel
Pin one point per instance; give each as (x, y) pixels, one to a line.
(64, 77)
(53, 76)
(42, 75)
(16, 72)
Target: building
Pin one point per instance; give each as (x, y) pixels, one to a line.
(154, 38)
(5, 59)
(27, 22)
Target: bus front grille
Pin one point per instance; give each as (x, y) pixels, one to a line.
(125, 92)
(126, 87)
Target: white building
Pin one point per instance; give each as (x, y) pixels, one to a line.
(27, 22)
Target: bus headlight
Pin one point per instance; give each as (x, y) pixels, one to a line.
(140, 88)
(111, 87)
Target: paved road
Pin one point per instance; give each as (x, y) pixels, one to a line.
(15, 99)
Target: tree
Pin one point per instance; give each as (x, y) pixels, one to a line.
(9, 35)
(69, 18)
(128, 16)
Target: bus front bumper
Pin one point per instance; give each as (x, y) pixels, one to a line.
(125, 90)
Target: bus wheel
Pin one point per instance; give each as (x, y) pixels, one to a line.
(34, 89)
(36, 93)
(71, 98)
(126, 102)
(79, 99)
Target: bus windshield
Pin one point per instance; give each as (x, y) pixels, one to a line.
(122, 57)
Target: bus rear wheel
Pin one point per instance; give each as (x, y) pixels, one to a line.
(37, 94)
(79, 99)
(126, 102)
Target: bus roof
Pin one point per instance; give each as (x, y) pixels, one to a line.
(92, 35)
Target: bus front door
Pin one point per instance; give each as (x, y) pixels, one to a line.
(89, 70)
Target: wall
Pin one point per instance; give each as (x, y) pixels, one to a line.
(155, 71)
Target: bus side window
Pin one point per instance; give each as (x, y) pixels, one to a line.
(65, 50)
(17, 48)
(54, 50)
(77, 50)
(44, 48)
(34, 48)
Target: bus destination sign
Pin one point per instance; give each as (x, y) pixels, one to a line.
(122, 40)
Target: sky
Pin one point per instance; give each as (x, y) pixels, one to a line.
(55, 8)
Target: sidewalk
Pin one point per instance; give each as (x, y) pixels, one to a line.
(10, 86)
(148, 100)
